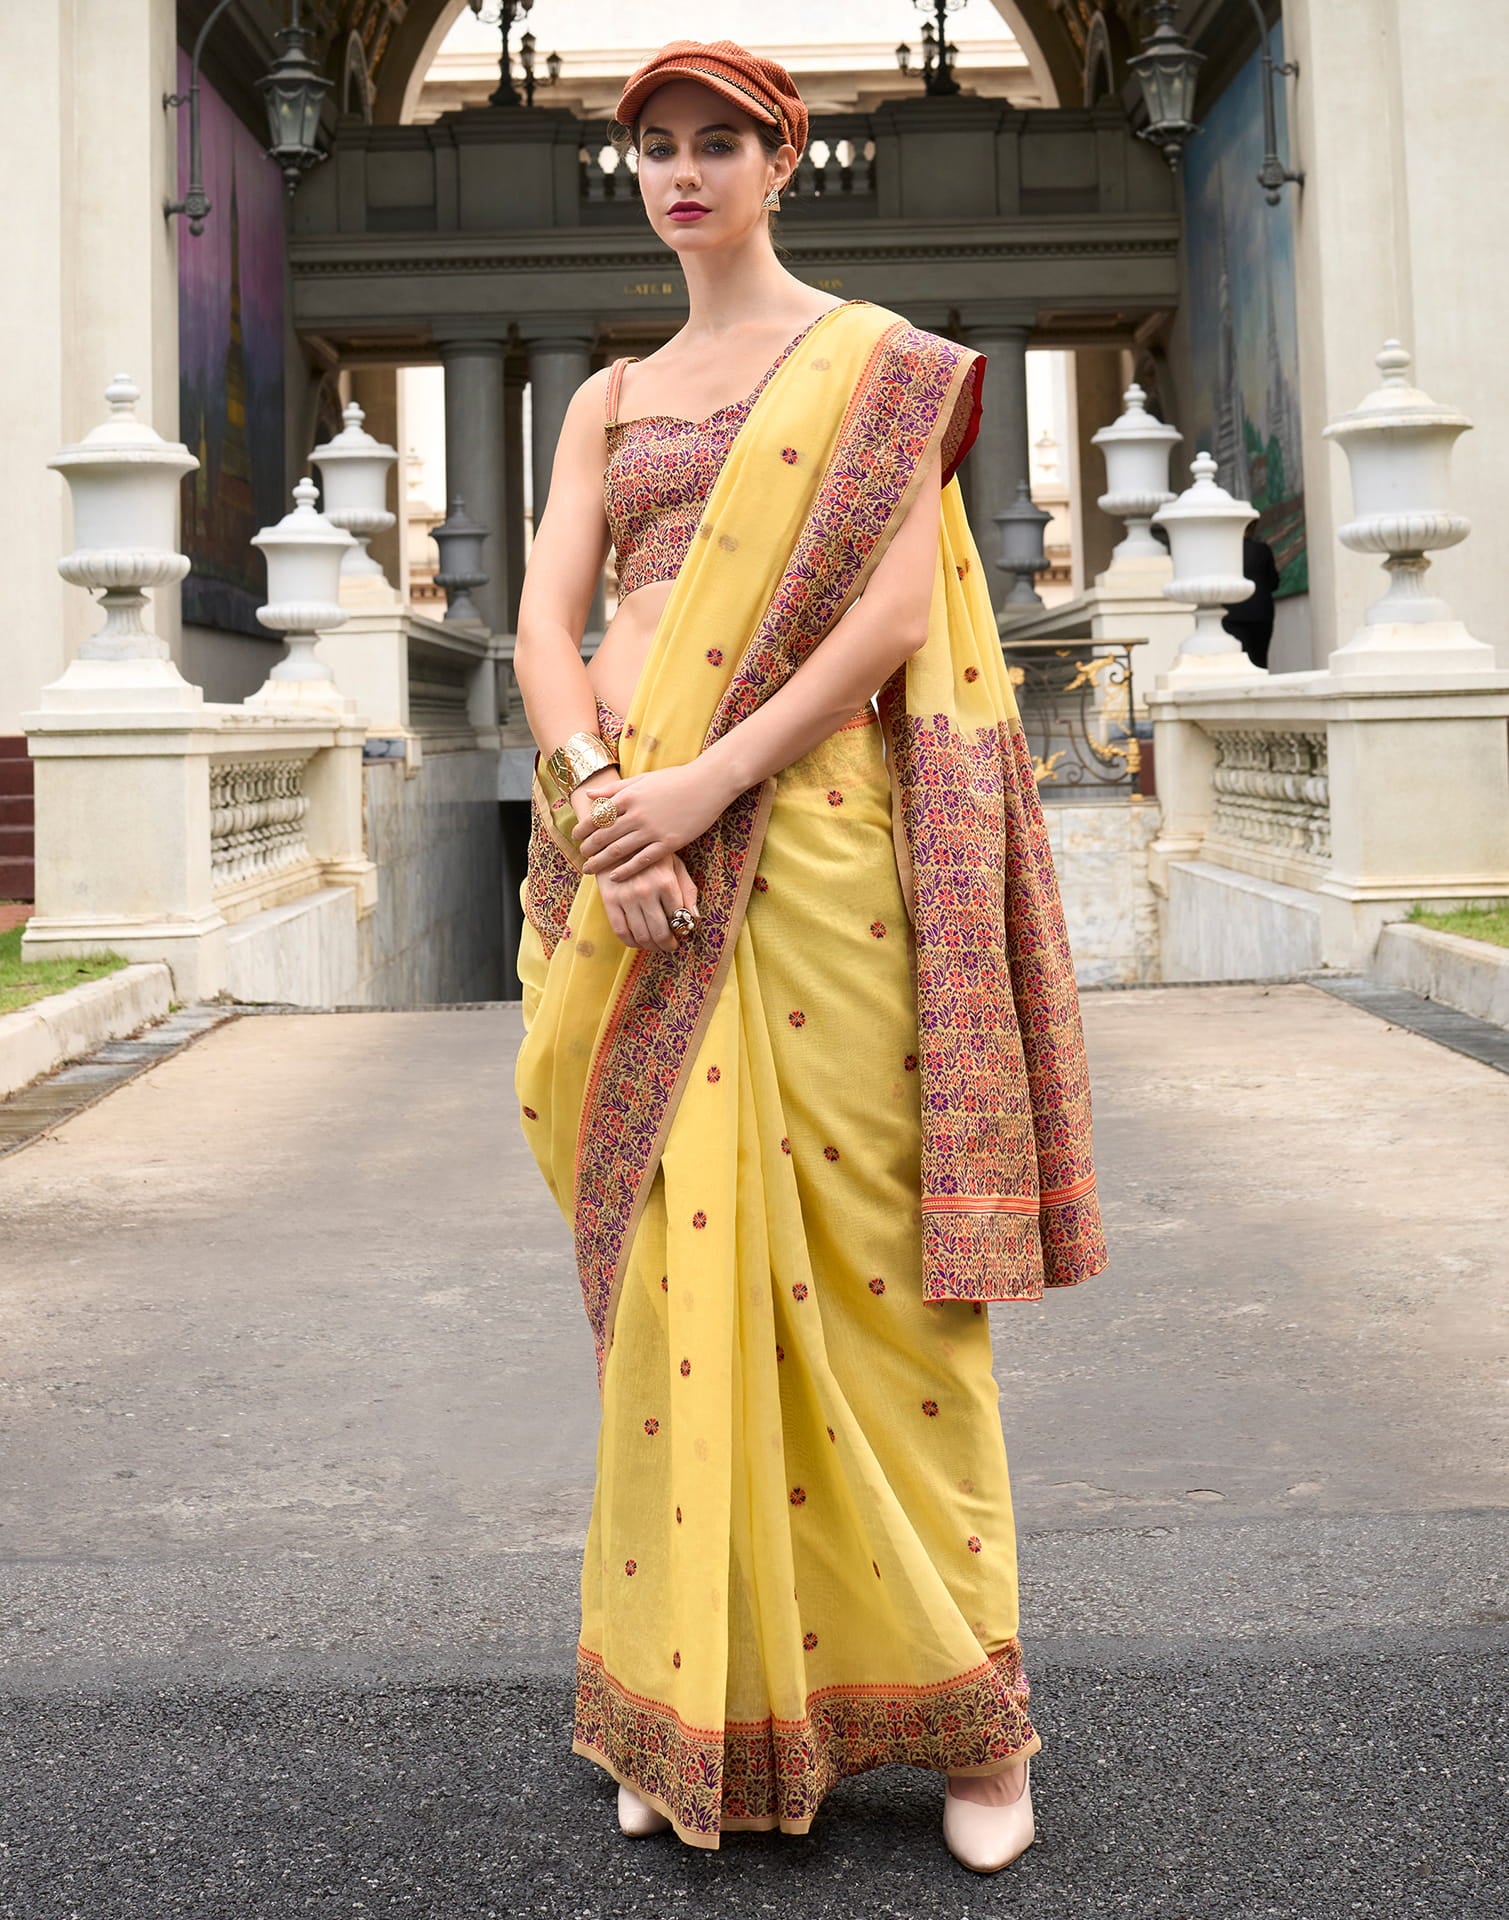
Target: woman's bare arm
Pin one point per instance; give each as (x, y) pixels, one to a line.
(863, 649)
(565, 564)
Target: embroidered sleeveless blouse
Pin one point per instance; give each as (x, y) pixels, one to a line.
(659, 474)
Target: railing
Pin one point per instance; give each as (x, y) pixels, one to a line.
(1076, 712)
(257, 813)
(1272, 795)
(838, 166)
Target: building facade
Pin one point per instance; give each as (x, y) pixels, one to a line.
(503, 246)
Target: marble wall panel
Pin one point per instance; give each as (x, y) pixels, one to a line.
(436, 934)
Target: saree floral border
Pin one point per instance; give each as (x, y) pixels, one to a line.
(551, 876)
(767, 1773)
(1008, 1180)
(895, 412)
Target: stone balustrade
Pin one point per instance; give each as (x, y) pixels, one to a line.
(257, 814)
(1272, 795)
(837, 167)
(1303, 812)
(912, 159)
(188, 833)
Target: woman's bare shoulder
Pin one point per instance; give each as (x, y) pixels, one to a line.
(591, 395)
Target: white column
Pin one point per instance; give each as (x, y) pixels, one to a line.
(1396, 131)
(92, 286)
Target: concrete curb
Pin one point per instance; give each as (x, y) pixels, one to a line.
(48, 1034)
(1470, 975)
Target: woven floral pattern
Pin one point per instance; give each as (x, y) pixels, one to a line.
(769, 1773)
(659, 473)
(1008, 1195)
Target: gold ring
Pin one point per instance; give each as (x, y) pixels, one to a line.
(683, 920)
(604, 813)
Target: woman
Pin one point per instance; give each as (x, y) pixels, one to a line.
(802, 1061)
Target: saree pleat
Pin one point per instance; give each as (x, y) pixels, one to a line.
(801, 1561)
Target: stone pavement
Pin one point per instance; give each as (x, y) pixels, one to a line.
(296, 1429)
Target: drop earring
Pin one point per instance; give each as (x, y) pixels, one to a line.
(772, 201)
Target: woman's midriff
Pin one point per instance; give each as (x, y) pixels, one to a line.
(614, 669)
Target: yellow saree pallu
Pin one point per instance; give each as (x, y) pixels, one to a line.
(801, 1153)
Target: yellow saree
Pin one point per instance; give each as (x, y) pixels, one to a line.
(798, 1155)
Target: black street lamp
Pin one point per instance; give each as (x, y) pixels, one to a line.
(1168, 68)
(526, 61)
(938, 52)
(1273, 173)
(506, 94)
(294, 90)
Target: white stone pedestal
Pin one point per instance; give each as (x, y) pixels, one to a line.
(1409, 801)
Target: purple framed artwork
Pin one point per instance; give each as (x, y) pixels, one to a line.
(231, 292)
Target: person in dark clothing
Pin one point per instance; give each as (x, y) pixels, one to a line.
(1251, 620)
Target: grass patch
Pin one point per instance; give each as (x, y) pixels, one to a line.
(1473, 923)
(22, 981)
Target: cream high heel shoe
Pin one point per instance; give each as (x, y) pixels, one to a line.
(985, 1839)
(636, 1816)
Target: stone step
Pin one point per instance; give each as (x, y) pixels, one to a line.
(15, 769)
(18, 877)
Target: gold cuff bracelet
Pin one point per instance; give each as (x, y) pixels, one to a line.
(574, 761)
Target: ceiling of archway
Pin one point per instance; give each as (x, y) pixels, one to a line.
(394, 34)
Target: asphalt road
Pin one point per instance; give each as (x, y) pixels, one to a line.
(296, 1426)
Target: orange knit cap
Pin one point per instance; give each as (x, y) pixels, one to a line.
(763, 88)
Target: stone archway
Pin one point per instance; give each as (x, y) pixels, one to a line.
(1052, 34)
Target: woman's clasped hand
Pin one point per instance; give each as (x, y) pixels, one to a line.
(636, 861)
(658, 813)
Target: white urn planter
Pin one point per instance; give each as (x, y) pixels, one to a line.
(354, 469)
(1398, 444)
(304, 554)
(1205, 526)
(123, 477)
(1136, 449)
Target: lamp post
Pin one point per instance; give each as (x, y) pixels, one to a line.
(502, 16)
(294, 91)
(938, 52)
(1168, 68)
(1205, 527)
(526, 61)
